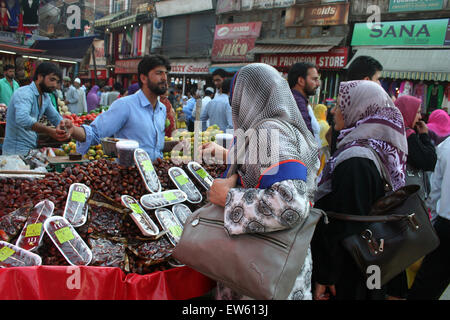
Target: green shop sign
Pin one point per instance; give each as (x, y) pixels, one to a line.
(402, 33)
(414, 5)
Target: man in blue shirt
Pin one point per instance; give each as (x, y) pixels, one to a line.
(140, 117)
(218, 110)
(27, 106)
(188, 108)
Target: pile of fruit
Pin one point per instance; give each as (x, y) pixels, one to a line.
(187, 152)
(95, 152)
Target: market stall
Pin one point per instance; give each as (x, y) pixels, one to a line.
(123, 262)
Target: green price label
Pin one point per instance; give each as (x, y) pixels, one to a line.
(202, 173)
(33, 230)
(182, 180)
(78, 196)
(176, 231)
(148, 166)
(5, 253)
(136, 208)
(170, 196)
(64, 235)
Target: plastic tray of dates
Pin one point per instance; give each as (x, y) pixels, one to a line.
(31, 236)
(147, 171)
(163, 199)
(140, 217)
(182, 181)
(170, 223)
(14, 256)
(202, 176)
(76, 209)
(68, 241)
(182, 212)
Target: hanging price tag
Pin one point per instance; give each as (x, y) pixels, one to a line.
(78, 197)
(33, 230)
(202, 173)
(64, 235)
(5, 253)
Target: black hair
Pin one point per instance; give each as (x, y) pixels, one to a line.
(118, 87)
(226, 86)
(220, 72)
(363, 66)
(7, 67)
(299, 69)
(46, 68)
(150, 62)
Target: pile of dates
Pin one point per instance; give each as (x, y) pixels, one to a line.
(113, 236)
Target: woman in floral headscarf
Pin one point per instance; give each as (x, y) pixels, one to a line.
(353, 180)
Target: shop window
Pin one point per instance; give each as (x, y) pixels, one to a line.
(230, 19)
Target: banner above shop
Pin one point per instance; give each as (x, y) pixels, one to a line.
(128, 66)
(320, 15)
(189, 67)
(415, 5)
(170, 8)
(403, 33)
(233, 41)
(333, 59)
(99, 50)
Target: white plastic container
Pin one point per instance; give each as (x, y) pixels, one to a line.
(76, 209)
(125, 152)
(147, 171)
(14, 256)
(170, 223)
(140, 217)
(68, 241)
(31, 236)
(163, 199)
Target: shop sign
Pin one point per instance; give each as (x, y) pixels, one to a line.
(128, 66)
(170, 8)
(323, 15)
(233, 41)
(99, 51)
(247, 5)
(189, 67)
(333, 59)
(402, 33)
(157, 34)
(224, 6)
(414, 5)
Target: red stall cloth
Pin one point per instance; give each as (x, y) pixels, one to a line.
(100, 283)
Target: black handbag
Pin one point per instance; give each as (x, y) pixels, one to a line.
(418, 177)
(399, 233)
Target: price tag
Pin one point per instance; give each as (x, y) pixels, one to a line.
(136, 208)
(78, 197)
(5, 253)
(182, 180)
(64, 235)
(148, 166)
(202, 173)
(170, 196)
(176, 231)
(33, 230)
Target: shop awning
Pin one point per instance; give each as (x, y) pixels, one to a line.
(108, 19)
(17, 49)
(412, 64)
(272, 49)
(69, 48)
(228, 67)
(124, 21)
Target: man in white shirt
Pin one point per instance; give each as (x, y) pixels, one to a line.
(209, 94)
(434, 274)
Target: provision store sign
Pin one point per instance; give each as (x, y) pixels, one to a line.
(334, 59)
(402, 33)
(180, 67)
(233, 41)
(128, 66)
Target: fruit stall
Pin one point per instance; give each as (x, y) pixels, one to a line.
(96, 229)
